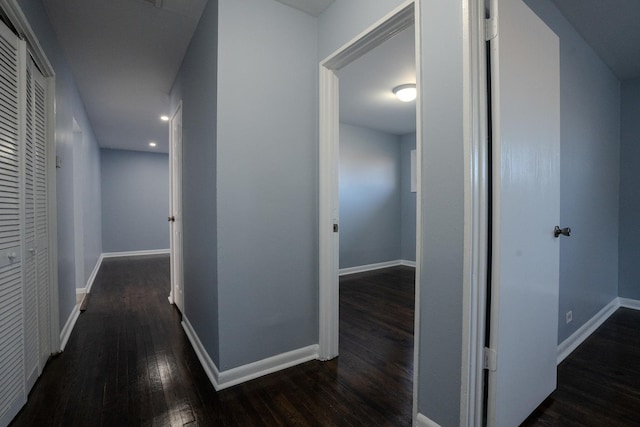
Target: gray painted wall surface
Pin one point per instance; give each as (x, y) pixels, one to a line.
(589, 175)
(196, 85)
(267, 180)
(135, 200)
(69, 106)
(370, 197)
(629, 242)
(407, 199)
(441, 276)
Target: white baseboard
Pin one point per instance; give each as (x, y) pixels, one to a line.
(424, 421)
(136, 253)
(94, 274)
(566, 347)
(633, 304)
(376, 266)
(68, 326)
(231, 377)
(267, 366)
(209, 367)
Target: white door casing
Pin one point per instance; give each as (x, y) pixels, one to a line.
(175, 173)
(525, 99)
(397, 20)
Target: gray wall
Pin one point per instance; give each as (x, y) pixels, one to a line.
(407, 199)
(589, 175)
(69, 106)
(267, 180)
(250, 180)
(441, 276)
(135, 200)
(370, 196)
(196, 85)
(629, 242)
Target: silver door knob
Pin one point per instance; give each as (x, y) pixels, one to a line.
(564, 231)
(171, 219)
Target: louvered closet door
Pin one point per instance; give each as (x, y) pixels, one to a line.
(32, 344)
(41, 213)
(12, 374)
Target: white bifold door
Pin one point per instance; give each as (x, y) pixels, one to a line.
(525, 97)
(25, 303)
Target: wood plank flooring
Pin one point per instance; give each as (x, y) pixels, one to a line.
(128, 362)
(599, 383)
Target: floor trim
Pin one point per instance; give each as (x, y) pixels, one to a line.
(68, 326)
(209, 367)
(267, 366)
(566, 347)
(424, 421)
(376, 266)
(94, 274)
(136, 253)
(235, 376)
(633, 304)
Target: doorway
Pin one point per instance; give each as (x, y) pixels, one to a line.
(397, 21)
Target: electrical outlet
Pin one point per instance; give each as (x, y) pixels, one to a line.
(569, 316)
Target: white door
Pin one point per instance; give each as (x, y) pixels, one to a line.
(12, 322)
(32, 335)
(175, 165)
(41, 198)
(525, 80)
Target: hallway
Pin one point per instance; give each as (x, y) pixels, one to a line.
(128, 362)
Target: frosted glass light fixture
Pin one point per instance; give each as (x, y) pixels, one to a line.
(164, 118)
(406, 93)
(152, 144)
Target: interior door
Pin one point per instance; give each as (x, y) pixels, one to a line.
(177, 275)
(12, 322)
(525, 97)
(41, 213)
(32, 337)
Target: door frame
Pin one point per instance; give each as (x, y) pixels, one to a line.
(399, 19)
(476, 193)
(175, 181)
(476, 212)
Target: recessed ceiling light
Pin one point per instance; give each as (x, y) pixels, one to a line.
(152, 144)
(406, 93)
(164, 118)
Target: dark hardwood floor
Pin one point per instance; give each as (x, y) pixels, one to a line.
(128, 362)
(599, 383)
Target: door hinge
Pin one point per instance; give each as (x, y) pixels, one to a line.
(489, 359)
(335, 228)
(490, 28)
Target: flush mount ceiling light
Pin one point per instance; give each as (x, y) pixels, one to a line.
(164, 118)
(405, 93)
(152, 144)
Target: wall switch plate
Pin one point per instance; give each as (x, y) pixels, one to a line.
(569, 316)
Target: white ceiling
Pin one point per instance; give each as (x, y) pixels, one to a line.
(125, 55)
(312, 7)
(611, 28)
(366, 85)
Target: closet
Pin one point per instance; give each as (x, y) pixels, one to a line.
(25, 296)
